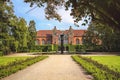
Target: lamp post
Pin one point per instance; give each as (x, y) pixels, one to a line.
(62, 42)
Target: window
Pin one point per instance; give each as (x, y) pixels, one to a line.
(49, 41)
(77, 41)
(65, 39)
(43, 41)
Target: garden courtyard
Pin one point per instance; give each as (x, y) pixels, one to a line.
(63, 67)
(56, 67)
(59, 40)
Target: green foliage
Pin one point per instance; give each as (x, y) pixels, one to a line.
(80, 48)
(6, 50)
(6, 14)
(18, 65)
(16, 43)
(14, 33)
(8, 60)
(113, 62)
(75, 48)
(42, 48)
(1, 53)
(104, 12)
(71, 48)
(31, 34)
(101, 38)
(21, 34)
(99, 71)
(54, 47)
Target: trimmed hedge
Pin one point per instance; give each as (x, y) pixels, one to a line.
(71, 48)
(54, 47)
(42, 48)
(1, 53)
(18, 65)
(99, 72)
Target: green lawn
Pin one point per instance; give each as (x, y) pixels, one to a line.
(7, 60)
(97, 70)
(10, 65)
(113, 62)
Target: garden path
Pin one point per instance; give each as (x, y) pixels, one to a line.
(56, 67)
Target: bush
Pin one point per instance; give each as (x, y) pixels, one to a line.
(44, 48)
(55, 47)
(80, 48)
(71, 48)
(1, 53)
(100, 72)
(6, 50)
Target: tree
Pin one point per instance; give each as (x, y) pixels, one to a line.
(13, 30)
(32, 34)
(102, 35)
(105, 12)
(6, 14)
(19, 32)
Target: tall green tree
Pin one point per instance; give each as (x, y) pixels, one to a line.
(6, 14)
(32, 34)
(21, 32)
(14, 34)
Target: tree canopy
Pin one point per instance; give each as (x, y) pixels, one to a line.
(104, 12)
(32, 34)
(101, 37)
(14, 32)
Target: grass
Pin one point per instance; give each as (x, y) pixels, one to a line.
(7, 60)
(113, 62)
(10, 65)
(97, 70)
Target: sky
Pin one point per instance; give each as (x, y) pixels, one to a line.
(38, 15)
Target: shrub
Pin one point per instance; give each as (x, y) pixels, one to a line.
(18, 65)
(45, 48)
(55, 47)
(1, 53)
(80, 48)
(71, 48)
(98, 72)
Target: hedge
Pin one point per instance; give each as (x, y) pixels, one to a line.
(18, 65)
(98, 71)
(1, 53)
(55, 47)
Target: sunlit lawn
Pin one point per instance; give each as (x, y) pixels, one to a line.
(113, 62)
(7, 60)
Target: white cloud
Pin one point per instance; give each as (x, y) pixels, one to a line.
(66, 15)
(49, 24)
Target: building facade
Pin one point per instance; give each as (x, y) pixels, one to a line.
(70, 36)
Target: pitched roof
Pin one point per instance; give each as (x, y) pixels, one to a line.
(79, 32)
(46, 33)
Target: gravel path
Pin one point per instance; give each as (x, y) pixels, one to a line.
(56, 67)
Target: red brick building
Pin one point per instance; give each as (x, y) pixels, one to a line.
(71, 36)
